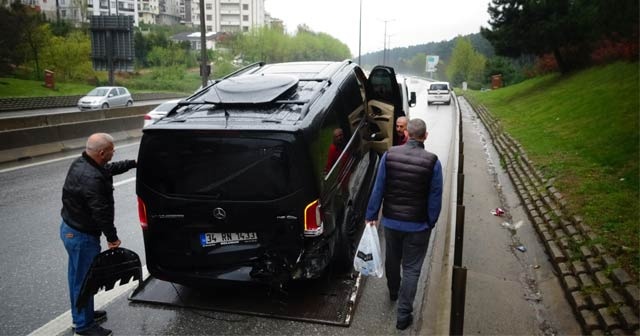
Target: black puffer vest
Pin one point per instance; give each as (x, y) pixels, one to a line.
(408, 181)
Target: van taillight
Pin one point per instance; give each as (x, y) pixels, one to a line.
(313, 220)
(142, 213)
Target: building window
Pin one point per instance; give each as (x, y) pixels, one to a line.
(209, 17)
(209, 28)
(245, 7)
(245, 28)
(208, 6)
(245, 18)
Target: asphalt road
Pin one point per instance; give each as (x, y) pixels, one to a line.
(60, 110)
(33, 288)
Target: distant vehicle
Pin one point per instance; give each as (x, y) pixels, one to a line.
(105, 97)
(439, 92)
(160, 111)
(247, 180)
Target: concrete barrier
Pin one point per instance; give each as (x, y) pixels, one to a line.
(27, 137)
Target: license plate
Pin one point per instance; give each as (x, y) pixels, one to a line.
(225, 238)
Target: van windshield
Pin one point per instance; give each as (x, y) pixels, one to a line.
(215, 166)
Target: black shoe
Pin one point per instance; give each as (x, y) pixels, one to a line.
(393, 296)
(96, 330)
(404, 324)
(99, 316)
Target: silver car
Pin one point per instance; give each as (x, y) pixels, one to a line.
(105, 97)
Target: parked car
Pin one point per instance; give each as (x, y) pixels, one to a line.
(105, 97)
(243, 181)
(159, 112)
(439, 92)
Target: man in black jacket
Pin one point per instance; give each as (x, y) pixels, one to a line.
(87, 212)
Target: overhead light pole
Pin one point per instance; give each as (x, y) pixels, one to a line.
(360, 36)
(384, 52)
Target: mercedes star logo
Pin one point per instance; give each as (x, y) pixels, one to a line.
(219, 213)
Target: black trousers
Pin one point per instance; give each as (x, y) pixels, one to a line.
(406, 249)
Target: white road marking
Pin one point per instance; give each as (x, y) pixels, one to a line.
(61, 324)
(124, 181)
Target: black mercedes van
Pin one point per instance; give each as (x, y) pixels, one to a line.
(264, 175)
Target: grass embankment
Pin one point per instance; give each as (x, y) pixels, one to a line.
(582, 129)
(161, 80)
(11, 87)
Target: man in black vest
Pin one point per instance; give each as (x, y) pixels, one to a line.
(409, 181)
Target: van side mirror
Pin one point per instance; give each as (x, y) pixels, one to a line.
(412, 100)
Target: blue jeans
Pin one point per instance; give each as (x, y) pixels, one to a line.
(406, 249)
(81, 248)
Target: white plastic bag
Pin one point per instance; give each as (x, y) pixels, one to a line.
(368, 259)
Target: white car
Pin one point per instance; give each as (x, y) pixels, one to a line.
(104, 97)
(159, 112)
(439, 92)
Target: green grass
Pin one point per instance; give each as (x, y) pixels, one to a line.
(582, 129)
(11, 87)
(174, 80)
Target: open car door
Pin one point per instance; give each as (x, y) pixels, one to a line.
(384, 106)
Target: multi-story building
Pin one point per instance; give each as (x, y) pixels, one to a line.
(112, 7)
(220, 15)
(227, 15)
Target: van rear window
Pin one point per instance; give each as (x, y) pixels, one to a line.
(222, 167)
(439, 87)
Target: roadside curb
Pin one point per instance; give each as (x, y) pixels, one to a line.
(604, 297)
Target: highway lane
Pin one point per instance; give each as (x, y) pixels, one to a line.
(33, 285)
(60, 110)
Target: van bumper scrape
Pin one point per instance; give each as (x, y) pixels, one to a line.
(314, 260)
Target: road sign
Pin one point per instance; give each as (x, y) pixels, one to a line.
(432, 62)
(112, 43)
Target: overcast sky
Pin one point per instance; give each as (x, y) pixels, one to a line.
(409, 22)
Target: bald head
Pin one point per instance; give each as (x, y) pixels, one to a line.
(401, 125)
(100, 147)
(99, 141)
(417, 129)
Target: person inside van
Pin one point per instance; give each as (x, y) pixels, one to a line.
(401, 135)
(335, 149)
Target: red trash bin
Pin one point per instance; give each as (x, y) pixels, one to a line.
(49, 80)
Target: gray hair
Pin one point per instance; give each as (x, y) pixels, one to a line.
(416, 128)
(99, 141)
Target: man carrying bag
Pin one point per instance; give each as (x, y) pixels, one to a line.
(409, 181)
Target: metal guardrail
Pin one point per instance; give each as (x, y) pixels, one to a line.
(459, 273)
(26, 137)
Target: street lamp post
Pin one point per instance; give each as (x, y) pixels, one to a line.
(384, 52)
(360, 36)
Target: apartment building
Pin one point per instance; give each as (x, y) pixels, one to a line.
(227, 15)
(166, 12)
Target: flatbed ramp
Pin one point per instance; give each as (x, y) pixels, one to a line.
(328, 300)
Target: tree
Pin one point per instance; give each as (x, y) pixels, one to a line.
(69, 57)
(465, 64)
(9, 54)
(35, 34)
(566, 28)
